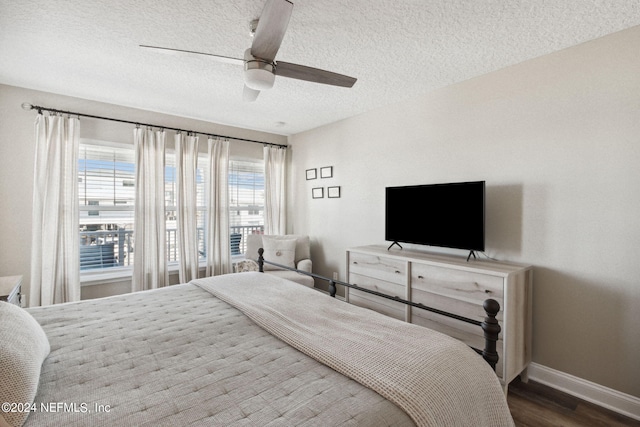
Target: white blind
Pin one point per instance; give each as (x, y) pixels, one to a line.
(106, 185)
(246, 193)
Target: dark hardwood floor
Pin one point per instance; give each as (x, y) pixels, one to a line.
(536, 405)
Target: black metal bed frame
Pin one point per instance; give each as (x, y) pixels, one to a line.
(490, 325)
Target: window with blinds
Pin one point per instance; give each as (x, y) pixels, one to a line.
(246, 202)
(106, 192)
(106, 184)
(170, 196)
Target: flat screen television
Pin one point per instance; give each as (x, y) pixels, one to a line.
(447, 215)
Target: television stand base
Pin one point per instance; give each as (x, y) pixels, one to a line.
(394, 243)
(471, 253)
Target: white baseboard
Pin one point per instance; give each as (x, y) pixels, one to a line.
(621, 403)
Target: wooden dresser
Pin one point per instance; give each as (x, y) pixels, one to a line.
(454, 285)
(10, 289)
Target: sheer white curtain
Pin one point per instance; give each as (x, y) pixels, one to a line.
(150, 258)
(186, 148)
(218, 246)
(55, 259)
(274, 190)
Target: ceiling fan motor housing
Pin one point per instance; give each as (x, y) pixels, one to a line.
(258, 74)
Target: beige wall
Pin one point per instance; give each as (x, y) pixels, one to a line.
(17, 156)
(557, 140)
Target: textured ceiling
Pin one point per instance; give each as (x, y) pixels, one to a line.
(397, 49)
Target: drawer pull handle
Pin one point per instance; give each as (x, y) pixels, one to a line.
(397, 272)
(420, 277)
(487, 291)
(355, 262)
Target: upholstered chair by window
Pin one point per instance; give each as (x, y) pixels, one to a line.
(291, 250)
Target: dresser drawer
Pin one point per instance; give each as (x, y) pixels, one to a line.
(470, 309)
(469, 286)
(386, 269)
(373, 284)
(382, 305)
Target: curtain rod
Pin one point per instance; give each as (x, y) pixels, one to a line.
(27, 106)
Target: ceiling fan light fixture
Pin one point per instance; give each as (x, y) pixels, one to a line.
(261, 78)
(258, 73)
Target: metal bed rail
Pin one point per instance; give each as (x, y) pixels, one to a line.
(490, 326)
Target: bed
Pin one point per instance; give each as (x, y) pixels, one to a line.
(240, 349)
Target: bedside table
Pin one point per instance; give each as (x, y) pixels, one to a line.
(10, 289)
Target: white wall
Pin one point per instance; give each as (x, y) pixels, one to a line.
(557, 140)
(17, 157)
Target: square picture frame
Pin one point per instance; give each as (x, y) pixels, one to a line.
(333, 192)
(317, 193)
(311, 174)
(326, 172)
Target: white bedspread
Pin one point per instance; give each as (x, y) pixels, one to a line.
(437, 380)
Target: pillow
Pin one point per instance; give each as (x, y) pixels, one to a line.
(246, 265)
(279, 249)
(23, 348)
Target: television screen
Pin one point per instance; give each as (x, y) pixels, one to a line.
(446, 215)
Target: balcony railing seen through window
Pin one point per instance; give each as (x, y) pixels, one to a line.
(105, 249)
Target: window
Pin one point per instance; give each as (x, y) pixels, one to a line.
(170, 199)
(246, 202)
(106, 205)
(106, 184)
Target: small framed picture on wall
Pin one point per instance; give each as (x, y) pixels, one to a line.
(326, 172)
(311, 174)
(317, 193)
(333, 192)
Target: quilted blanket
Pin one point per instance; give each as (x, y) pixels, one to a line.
(437, 380)
(179, 356)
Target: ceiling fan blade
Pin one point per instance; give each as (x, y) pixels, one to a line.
(168, 50)
(310, 74)
(249, 95)
(271, 28)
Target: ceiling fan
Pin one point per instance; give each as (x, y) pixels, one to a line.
(260, 66)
